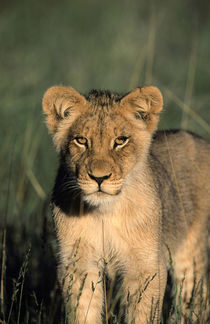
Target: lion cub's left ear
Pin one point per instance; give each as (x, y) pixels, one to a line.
(58, 103)
(146, 104)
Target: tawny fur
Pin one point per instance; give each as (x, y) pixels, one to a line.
(124, 197)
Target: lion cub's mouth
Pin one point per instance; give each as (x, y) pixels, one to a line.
(91, 189)
(100, 197)
(101, 192)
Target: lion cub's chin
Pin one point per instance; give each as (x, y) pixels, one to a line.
(100, 198)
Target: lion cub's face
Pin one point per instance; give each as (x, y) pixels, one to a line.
(101, 137)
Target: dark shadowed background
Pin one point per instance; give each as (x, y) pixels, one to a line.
(116, 45)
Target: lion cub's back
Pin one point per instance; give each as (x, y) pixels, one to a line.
(185, 152)
(185, 158)
(181, 166)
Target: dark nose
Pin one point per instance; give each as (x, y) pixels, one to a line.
(99, 180)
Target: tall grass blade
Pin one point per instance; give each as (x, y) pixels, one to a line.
(23, 273)
(190, 83)
(3, 263)
(199, 120)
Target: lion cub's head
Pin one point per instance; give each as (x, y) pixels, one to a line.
(101, 137)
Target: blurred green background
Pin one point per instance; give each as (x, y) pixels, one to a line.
(116, 45)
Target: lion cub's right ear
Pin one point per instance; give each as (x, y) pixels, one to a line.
(58, 102)
(146, 104)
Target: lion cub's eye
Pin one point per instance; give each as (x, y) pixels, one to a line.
(81, 140)
(121, 140)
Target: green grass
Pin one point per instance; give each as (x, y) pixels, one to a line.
(115, 45)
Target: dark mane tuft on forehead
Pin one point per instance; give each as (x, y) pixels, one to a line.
(102, 97)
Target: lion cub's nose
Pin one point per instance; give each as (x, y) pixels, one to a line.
(99, 180)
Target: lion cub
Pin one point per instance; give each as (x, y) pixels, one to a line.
(125, 198)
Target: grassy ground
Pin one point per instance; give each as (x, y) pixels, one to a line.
(86, 44)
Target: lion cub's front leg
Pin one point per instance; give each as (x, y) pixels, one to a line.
(145, 294)
(83, 291)
(85, 304)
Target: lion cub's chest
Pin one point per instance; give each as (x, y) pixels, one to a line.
(111, 239)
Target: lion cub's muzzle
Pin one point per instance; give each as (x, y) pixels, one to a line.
(99, 180)
(103, 184)
(100, 185)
